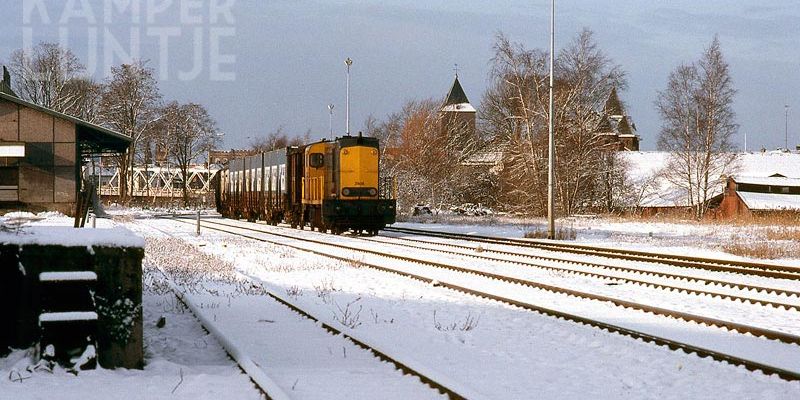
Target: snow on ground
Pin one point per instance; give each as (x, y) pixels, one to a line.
(495, 350)
(678, 237)
(487, 348)
(300, 357)
(182, 361)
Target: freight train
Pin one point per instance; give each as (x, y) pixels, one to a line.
(328, 185)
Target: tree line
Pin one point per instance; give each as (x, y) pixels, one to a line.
(128, 101)
(438, 167)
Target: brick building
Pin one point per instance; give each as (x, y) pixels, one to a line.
(746, 196)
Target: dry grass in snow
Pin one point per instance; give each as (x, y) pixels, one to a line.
(192, 270)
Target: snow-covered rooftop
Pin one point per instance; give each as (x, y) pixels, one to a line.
(71, 237)
(460, 107)
(770, 201)
(768, 180)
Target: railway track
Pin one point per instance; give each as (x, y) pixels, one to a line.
(473, 252)
(740, 267)
(266, 385)
(231, 228)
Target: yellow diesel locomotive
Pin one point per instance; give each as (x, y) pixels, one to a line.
(328, 185)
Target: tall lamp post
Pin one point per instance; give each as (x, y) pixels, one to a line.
(348, 62)
(551, 149)
(330, 119)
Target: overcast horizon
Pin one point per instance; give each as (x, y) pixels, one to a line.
(257, 66)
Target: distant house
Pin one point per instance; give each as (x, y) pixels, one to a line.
(222, 157)
(751, 195)
(655, 194)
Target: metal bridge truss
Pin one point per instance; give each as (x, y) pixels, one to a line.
(156, 181)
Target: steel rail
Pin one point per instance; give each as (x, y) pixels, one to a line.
(718, 265)
(736, 285)
(450, 393)
(656, 285)
(672, 344)
(733, 326)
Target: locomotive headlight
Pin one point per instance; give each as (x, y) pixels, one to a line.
(374, 152)
(346, 192)
(373, 192)
(345, 152)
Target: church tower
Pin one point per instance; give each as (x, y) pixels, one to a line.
(457, 115)
(616, 127)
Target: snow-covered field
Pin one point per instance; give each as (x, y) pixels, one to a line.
(477, 347)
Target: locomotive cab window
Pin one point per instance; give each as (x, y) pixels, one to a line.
(316, 160)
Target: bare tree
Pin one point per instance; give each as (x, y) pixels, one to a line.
(698, 123)
(585, 161)
(42, 74)
(189, 132)
(425, 149)
(515, 114)
(279, 139)
(83, 100)
(514, 111)
(129, 104)
(53, 77)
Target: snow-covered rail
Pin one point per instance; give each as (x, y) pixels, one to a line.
(264, 383)
(636, 276)
(318, 246)
(272, 390)
(734, 266)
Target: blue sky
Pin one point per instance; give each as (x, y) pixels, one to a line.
(285, 58)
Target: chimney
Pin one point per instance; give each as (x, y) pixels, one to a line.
(5, 85)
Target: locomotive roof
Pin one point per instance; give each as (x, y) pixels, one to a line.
(347, 141)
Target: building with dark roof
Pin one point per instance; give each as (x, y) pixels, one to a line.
(615, 127)
(42, 152)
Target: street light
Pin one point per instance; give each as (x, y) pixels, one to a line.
(330, 119)
(348, 62)
(551, 149)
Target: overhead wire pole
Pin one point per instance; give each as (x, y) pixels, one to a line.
(786, 127)
(348, 62)
(551, 150)
(330, 119)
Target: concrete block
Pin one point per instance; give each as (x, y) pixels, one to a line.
(119, 278)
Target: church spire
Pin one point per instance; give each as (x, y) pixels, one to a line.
(613, 105)
(456, 94)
